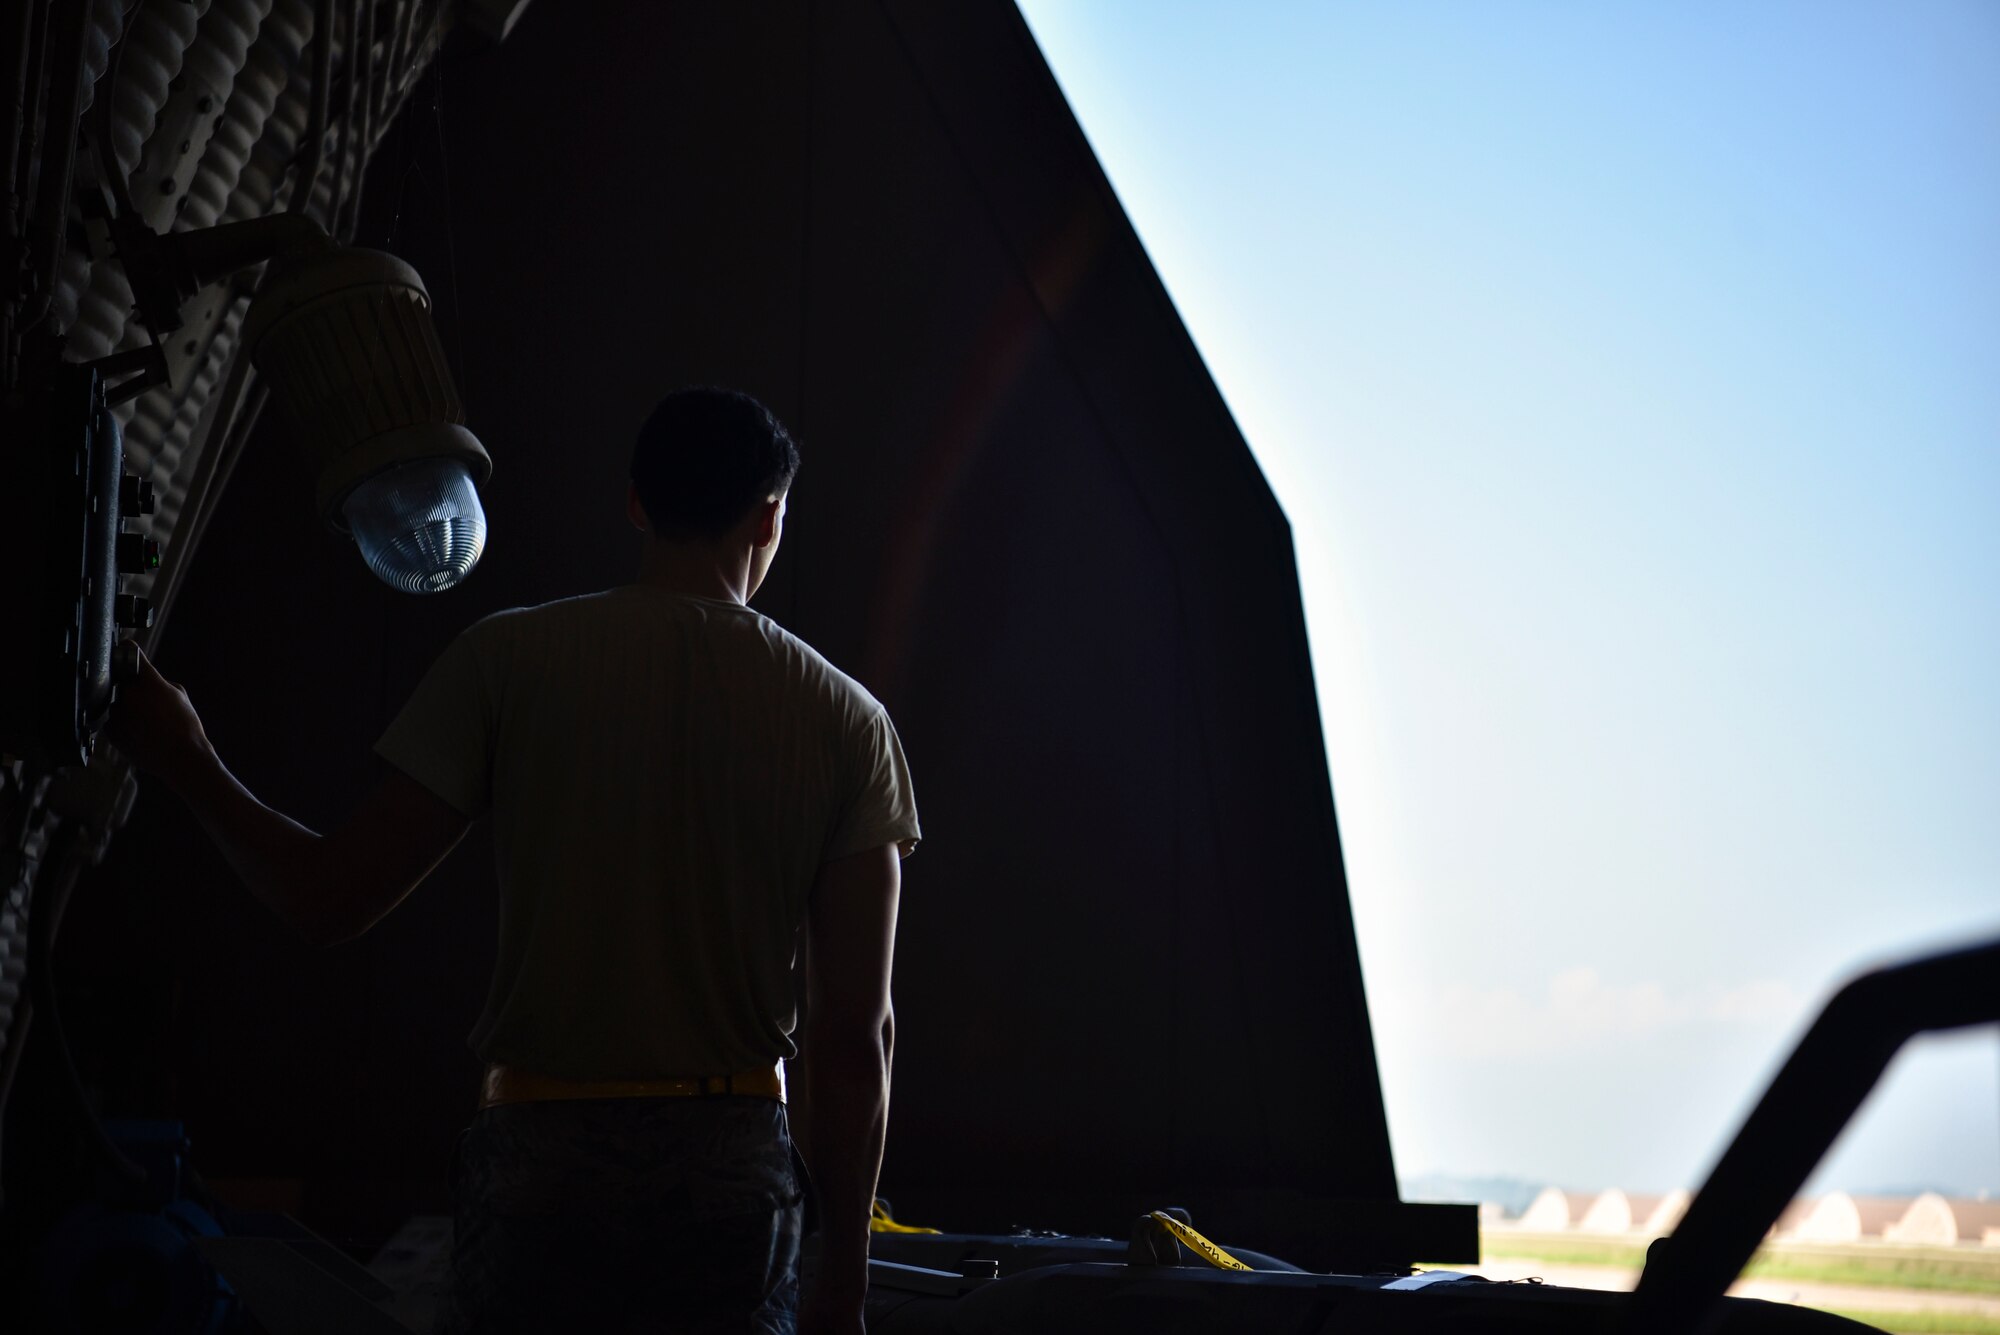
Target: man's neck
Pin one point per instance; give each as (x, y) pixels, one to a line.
(697, 569)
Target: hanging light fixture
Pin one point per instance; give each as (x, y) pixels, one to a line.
(344, 338)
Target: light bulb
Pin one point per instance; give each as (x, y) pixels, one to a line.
(419, 525)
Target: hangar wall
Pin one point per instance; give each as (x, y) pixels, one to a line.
(1127, 972)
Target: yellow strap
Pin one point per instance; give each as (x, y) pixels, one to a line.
(880, 1222)
(1197, 1244)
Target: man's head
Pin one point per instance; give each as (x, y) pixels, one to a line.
(710, 463)
(705, 457)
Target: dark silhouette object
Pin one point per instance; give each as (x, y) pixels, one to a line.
(1790, 1130)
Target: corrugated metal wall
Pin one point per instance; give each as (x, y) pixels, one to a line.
(210, 110)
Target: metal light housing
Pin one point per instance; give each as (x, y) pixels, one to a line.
(345, 340)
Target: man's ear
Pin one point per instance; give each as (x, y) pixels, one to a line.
(769, 516)
(635, 510)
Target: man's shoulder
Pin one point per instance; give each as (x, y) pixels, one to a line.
(817, 670)
(757, 633)
(534, 618)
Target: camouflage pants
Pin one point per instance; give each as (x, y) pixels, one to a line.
(622, 1215)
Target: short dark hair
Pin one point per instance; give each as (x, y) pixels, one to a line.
(705, 457)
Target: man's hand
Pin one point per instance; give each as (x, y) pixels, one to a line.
(156, 727)
(329, 887)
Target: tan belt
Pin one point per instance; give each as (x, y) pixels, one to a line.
(510, 1084)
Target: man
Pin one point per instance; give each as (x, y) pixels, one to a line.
(679, 790)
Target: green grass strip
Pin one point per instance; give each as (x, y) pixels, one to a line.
(1929, 1272)
(1924, 1323)
(1565, 1252)
(1890, 1272)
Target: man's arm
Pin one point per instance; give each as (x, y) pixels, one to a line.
(329, 887)
(851, 1031)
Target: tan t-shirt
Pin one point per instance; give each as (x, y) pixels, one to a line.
(665, 776)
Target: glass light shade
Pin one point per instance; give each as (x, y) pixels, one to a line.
(419, 525)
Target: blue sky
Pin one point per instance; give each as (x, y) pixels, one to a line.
(1628, 376)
